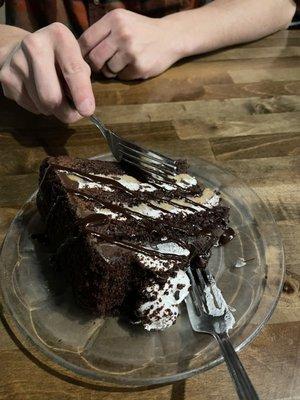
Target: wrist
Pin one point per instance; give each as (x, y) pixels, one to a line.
(176, 35)
(178, 24)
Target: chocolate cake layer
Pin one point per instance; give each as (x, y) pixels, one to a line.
(125, 239)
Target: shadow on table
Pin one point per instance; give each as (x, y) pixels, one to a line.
(31, 130)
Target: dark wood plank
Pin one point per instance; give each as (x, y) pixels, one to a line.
(238, 108)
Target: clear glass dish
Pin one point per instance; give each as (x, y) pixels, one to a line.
(40, 306)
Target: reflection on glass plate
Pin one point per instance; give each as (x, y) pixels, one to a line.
(40, 301)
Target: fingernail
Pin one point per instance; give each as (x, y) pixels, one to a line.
(86, 107)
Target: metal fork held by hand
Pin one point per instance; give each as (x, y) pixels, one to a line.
(148, 161)
(203, 321)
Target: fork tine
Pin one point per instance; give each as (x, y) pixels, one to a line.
(148, 161)
(154, 172)
(200, 277)
(201, 284)
(196, 292)
(207, 276)
(119, 145)
(193, 312)
(159, 158)
(149, 158)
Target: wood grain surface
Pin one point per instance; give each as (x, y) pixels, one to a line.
(238, 108)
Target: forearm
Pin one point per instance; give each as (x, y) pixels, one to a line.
(223, 23)
(10, 36)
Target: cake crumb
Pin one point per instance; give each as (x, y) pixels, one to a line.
(240, 262)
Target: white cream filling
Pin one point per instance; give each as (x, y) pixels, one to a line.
(130, 183)
(213, 201)
(145, 210)
(172, 248)
(162, 264)
(166, 302)
(166, 186)
(208, 198)
(169, 207)
(106, 211)
(155, 264)
(184, 203)
(184, 180)
(86, 184)
(148, 211)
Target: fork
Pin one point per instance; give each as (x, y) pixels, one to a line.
(148, 161)
(202, 320)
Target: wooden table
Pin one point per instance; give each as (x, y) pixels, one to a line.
(237, 108)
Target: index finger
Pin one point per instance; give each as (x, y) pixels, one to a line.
(76, 73)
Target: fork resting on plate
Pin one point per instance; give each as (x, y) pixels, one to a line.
(203, 298)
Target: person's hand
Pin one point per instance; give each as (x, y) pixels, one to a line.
(130, 46)
(32, 74)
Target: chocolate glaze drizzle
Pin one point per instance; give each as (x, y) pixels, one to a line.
(91, 221)
(110, 182)
(226, 236)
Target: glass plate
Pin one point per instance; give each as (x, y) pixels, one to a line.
(40, 303)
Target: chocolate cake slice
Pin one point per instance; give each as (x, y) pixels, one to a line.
(124, 239)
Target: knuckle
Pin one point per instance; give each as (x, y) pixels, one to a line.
(117, 15)
(126, 35)
(58, 29)
(32, 43)
(74, 67)
(50, 101)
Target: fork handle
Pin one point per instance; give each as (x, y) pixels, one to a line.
(244, 387)
(102, 128)
(95, 120)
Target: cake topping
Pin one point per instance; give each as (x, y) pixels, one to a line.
(130, 183)
(162, 312)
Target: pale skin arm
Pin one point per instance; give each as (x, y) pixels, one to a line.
(227, 22)
(126, 45)
(33, 65)
(133, 46)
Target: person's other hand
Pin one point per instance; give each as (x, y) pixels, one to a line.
(130, 46)
(31, 74)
